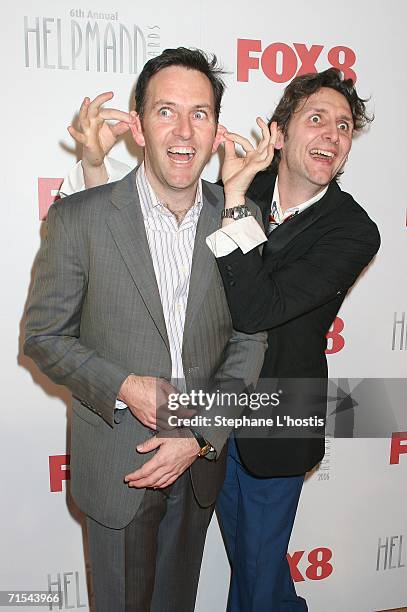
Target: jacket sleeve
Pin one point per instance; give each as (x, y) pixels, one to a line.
(260, 298)
(52, 329)
(238, 373)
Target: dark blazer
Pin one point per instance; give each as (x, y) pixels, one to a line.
(95, 315)
(294, 290)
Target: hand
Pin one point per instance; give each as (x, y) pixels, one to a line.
(175, 454)
(95, 135)
(147, 399)
(238, 172)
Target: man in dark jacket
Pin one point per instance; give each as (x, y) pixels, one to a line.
(318, 240)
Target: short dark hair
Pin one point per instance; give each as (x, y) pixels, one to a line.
(304, 86)
(192, 59)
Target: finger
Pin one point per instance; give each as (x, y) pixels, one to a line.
(243, 142)
(265, 158)
(120, 128)
(166, 483)
(97, 102)
(163, 478)
(222, 131)
(114, 114)
(270, 153)
(164, 422)
(185, 413)
(149, 445)
(167, 387)
(146, 479)
(149, 421)
(263, 126)
(83, 111)
(144, 471)
(273, 132)
(145, 483)
(263, 144)
(159, 476)
(76, 135)
(230, 150)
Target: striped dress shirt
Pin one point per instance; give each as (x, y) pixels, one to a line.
(171, 247)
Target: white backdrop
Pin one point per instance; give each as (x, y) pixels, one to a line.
(350, 539)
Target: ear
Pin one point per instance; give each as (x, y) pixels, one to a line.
(137, 130)
(219, 137)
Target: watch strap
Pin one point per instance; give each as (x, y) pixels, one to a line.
(206, 449)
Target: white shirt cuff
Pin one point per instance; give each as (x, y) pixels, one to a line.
(75, 180)
(120, 405)
(245, 234)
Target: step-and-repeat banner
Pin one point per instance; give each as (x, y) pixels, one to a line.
(348, 549)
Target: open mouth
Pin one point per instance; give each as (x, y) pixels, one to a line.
(322, 154)
(181, 155)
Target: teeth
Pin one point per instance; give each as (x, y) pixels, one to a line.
(322, 152)
(182, 150)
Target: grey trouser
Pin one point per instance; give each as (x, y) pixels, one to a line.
(153, 564)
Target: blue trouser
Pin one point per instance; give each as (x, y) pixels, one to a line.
(256, 517)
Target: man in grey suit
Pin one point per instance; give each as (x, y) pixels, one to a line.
(126, 298)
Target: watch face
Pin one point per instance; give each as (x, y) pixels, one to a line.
(240, 212)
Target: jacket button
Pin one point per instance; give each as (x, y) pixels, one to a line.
(232, 283)
(192, 369)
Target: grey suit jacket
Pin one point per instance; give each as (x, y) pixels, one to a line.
(94, 316)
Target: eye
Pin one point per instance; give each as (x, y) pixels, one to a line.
(315, 119)
(200, 114)
(165, 112)
(343, 125)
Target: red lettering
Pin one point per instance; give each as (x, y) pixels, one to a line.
(397, 447)
(336, 342)
(244, 61)
(47, 194)
(280, 61)
(349, 58)
(288, 62)
(293, 561)
(58, 471)
(308, 57)
(320, 567)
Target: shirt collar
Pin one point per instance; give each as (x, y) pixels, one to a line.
(294, 210)
(150, 201)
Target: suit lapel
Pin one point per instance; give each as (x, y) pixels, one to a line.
(126, 224)
(202, 261)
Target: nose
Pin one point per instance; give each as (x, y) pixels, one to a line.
(183, 127)
(332, 132)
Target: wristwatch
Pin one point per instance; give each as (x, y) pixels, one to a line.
(205, 448)
(236, 212)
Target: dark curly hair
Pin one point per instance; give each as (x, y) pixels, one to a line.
(192, 59)
(304, 86)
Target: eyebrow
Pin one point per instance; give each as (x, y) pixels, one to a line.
(174, 104)
(323, 111)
